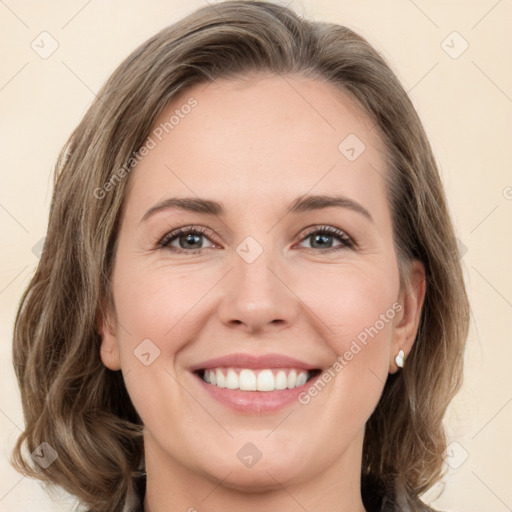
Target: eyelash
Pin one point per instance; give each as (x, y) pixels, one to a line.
(346, 241)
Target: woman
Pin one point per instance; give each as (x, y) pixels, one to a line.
(250, 295)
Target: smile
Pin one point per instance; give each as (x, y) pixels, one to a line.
(268, 379)
(255, 383)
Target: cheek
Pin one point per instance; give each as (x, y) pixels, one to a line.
(354, 304)
(358, 311)
(159, 310)
(156, 315)
(159, 304)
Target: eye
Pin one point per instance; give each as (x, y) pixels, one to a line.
(190, 239)
(186, 239)
(322, 239)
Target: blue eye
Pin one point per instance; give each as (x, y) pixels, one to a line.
(322, 238)
(190, 239)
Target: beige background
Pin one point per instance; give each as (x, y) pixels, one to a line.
(466, 106)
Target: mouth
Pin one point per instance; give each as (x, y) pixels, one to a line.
(255, 383)
(263, 380)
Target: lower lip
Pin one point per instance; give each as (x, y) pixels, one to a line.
(259, 402)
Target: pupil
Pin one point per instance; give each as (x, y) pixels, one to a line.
(324, 242)
(192, 239)
(321, 240)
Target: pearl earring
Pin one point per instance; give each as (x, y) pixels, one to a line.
(399, 359)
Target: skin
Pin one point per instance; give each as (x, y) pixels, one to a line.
(255, 145)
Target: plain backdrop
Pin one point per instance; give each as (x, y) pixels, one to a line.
(454, 58)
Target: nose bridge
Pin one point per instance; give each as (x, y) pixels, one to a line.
(252, 274)
(257, 295)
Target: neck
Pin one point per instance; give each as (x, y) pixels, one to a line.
(171, 486)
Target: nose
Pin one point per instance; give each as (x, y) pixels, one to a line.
(257, 297)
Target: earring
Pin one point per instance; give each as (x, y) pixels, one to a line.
(399, 359)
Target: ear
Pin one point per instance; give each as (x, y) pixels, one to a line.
(407, 321)
(109, 349)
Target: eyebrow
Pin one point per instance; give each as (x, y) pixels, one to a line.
(301, 204)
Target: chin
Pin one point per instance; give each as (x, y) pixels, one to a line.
(251, 469)
(260, 478)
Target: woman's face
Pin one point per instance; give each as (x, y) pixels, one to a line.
(256, 297)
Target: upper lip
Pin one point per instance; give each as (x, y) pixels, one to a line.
(261, 361)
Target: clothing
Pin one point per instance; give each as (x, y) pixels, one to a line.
(373, 498)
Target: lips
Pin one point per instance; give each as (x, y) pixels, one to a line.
(254, 383)
(254, 362)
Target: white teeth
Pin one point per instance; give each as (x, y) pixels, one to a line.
(281, 382)
(301, 379)
(220, 378)
(232, 379)
(292, 379)
(266, 380)
(259, 380)
(247, 380)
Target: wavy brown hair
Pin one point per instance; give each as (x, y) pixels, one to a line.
(82, 409)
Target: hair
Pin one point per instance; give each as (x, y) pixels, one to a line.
(82, 409)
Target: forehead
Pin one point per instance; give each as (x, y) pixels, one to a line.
(260, 137)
